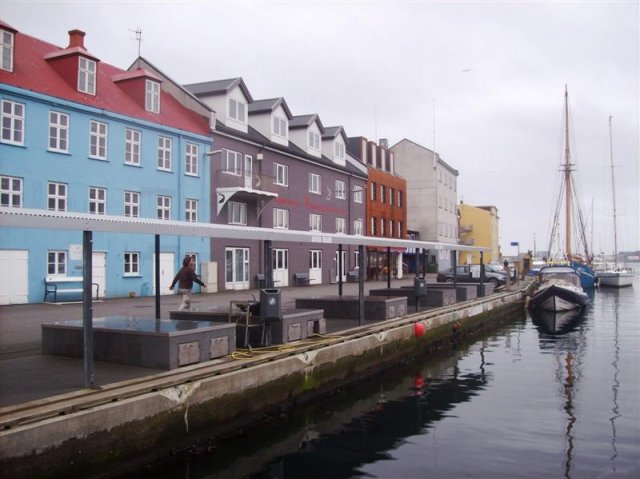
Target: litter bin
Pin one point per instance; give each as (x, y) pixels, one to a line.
(270, 305)
(420, 286)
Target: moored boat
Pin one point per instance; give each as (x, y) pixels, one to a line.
(559, 290)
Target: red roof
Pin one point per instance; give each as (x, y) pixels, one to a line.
(33, 72)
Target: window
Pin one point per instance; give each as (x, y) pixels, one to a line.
(237, 110)
(391, 229)
(341, 190)
(191, 210)
(131, 263)
(391, 193)
(280, 218)
(373, 191)
(152, 96)
(237, 213)
(58, 131)
(280, 126)
(314, 140)
(382, 227)
(400, 229)
(399, 199)
(10, 192)
(358, 194)
(98, 140)
(383, 190)
(97, 200)
(341, 226)
(315, 183)
(6, 44)
(373, 226)
(339, 149)
(57, 196)
(232, 163)
(87, 76)
(57, 263)
(164, 153)
(315, 259)
(357, 227)
(132, 147)
(132, 204)
(315, 222)
(191, 159)
(12, 122)
(163, 207)
(281, 174)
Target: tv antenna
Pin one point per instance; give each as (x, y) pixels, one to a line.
(138, 33)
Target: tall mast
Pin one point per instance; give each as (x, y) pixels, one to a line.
(567, 176)
(613, 194)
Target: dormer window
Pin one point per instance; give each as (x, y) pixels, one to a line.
(152, 96)
(314, 140)
(7, 50)
(339, 150)
(237, 110)
(280, 126)
(87, 76)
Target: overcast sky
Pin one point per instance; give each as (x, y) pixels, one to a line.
(492, 74)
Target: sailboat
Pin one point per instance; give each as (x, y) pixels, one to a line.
(581, 263)
(615, 277)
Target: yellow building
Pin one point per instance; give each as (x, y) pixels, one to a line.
(478, 227)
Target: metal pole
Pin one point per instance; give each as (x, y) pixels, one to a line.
(157, 278)
(454, 265)
(340, 270)
(481, 267)
(268, 265)
(361, 285)
(388, 267)
(87, 306)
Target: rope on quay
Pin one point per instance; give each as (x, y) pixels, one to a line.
(249, 352)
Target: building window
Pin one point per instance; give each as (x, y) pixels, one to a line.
(315, 222)
(152, 96)
(237, 213)
(12, 122)
(373, 191)
(57, 263)
(315, 183)
(341, 226)
(315, 259)
(232, 163)
(391, 193)
(358, 194)
(86, 76)
(373, 226)
(281, 174)
(132, 147)
(314, 140)
(237, 110)
(280, 218)
(383, 190)
(6, 44)
(391, 229)
(163, 207)
(191, 210)
(399, 199)
(382, 233)
(57, 196)
(191, 159)
(131, 263)
(98, 140)
(58, 131)
(357, 227)
(132, 204)
(280, 126)
(97, 201)
(341, 190)
(164, 153)
(10, 192)
(339, 150)
(400, 229)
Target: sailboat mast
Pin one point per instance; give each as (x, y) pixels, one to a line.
(613, 194)
(567, 176)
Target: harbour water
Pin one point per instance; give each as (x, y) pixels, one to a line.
(543, 396)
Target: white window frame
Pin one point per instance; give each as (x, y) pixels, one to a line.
(13, 115)
(132, 204)
(98, 134)
(131, 263)
(315, 222)
(400, 225)
(97, 200)
(56, 263)
(165, 147)
(232, 163)
(358, 195)
(382, 227)
(237, 213)
(86, 75)
(10, 191)
(191, 210)
(373, 191)
(391, 229)
(280, 127)
(191, 152)
(152, 96)
(339, 150)
(280, 218)
(58, 132)
(315, 183)
(281, 174)
(399, 198)
(237, 110)
(132, 146)
(357, 227)
(391, 193)
(57, 196)
(341, 225)
(163, 207)
(383, 193)
(314, 140)
(373, 226)
(341, 190)
(6, 46)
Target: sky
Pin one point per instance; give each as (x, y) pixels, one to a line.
(480, 82)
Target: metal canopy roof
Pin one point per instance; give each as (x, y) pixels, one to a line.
(32, 218)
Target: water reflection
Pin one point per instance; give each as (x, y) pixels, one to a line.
(615, 387)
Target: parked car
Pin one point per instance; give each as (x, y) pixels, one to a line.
(500, 269)
(471, 274)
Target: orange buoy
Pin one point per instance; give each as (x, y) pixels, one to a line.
(419, 329)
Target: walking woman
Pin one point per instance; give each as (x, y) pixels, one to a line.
(185, 279)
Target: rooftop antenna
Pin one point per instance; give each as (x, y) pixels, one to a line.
(375, 121)
(434, 134)
(138, 33)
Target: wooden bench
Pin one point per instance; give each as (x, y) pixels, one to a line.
(65, 284)
(301, 279)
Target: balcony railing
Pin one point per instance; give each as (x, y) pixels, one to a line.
(244, 179)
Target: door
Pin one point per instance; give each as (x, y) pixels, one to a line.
(315, 266)
(14, 276)
(99, 272)
(167, 272)
(236, 268)
(248, 171)
(280, 268)
(343, 272)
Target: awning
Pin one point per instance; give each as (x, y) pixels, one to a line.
(240, 193)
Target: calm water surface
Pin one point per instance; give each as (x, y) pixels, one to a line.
(541, 397)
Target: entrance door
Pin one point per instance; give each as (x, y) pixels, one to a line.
(342, 273)
(281, 267)
(167, 272)
(14, 276)
(236, 268)
(99, 272)
(248, 171)
(315, 266)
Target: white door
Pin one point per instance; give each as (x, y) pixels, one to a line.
(315, 266)
(280, 268)
(99, 270)
(236, 268)
(248, 171)
(167, 272)
(14, 276)
(342, 273)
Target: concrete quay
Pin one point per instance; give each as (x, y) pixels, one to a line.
(49, 422)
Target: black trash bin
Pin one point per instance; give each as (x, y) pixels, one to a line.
(270, 311)
(420, 286)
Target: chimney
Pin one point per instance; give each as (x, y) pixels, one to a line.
(76, 39)
(384, 143)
